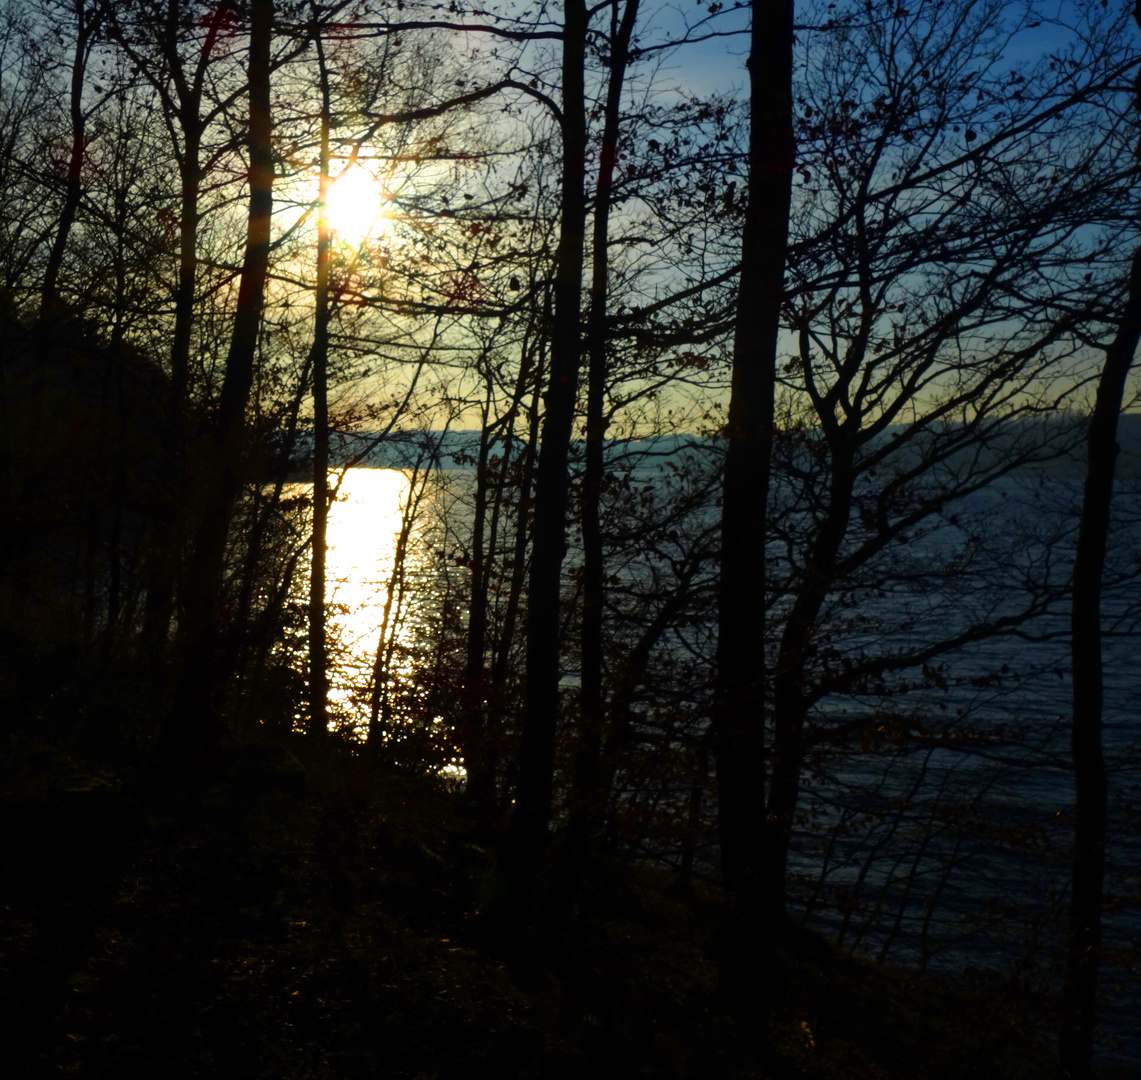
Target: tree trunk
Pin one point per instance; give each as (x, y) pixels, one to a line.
(162, 571)
(588, 799)
(789, 682)
(85, 23)
(1079, 987)
(318, 647)
(514, 474)
(480, 788)
(196, 720)
(502, 667)
(169, 520)
(190, 170)
(531, 381)
(528, 831)
(1087, 870)
(739, 707)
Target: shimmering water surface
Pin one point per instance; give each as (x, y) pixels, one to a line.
(918, 856)
(386, 580)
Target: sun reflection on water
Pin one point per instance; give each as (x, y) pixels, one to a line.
(364, 526)
(365, 523)
(382, 595)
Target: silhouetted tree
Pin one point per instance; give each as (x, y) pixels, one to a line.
(195, 717)
(1079, 988)
(753, 904)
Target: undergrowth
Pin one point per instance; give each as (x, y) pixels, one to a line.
(330, 930)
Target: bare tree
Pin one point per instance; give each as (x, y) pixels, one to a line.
(531, 817)
(1079, 988)
(753, 909)
(196, 720)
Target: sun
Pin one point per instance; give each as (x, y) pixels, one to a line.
(355, 199)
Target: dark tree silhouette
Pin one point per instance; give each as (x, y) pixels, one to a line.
(589, 795)
(88, 17)
(1079, 988)
(319, 357)
(753, 905)
(528, 831)
(196, 720)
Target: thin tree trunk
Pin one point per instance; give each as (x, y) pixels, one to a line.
(318, 646)
(502, 661)
(196, 719)
(169, 520)
(528, 831)
(85, 23)
(480, 788)
(753, 913)
(788, 684)
(531, 379)
(484, 788)
(380, 698)
(588, 799)
(1091, 789)
(269, 506)
(190, 170)
(693, 815)
(1079, 986)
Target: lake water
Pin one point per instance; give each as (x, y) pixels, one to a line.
(388, 583)
(928, 855)
(958, 858)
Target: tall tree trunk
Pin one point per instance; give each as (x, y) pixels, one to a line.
(380, 726)
(485, 675)
(195, 716)
(1079, 987)
(1087, 870)
(480, 788)
(740, 694)
(531, 382)
(162, 574)
(486, 787)
(190, 170)
(788, 683)
(169, 523)
(318, 646)
(266, 508)
(502, 667)
(588, 799)
(528, 831)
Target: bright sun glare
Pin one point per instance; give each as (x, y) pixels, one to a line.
(355, 206)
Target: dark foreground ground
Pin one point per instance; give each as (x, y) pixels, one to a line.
(278, 925)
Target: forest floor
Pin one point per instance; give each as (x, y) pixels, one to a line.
(330, 932)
